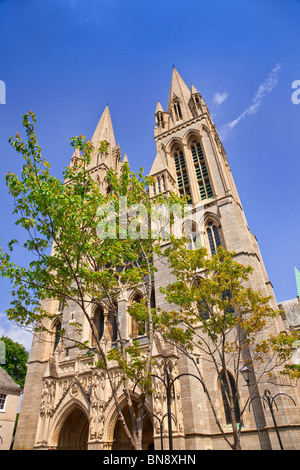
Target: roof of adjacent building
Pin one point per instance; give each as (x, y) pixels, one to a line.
(7, 382)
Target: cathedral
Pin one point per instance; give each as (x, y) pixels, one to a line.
(67, 403)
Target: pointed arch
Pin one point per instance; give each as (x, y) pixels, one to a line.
(181, 170)
(137, 329)
(214, 233)
(228, 387)
(200, 166)
(118, 439)
(112, 323)
(98, 321)
(70, 429)
(56, 329)
(190, 230)
(176, 108)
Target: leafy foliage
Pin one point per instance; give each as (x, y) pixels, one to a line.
(16, 358)
(71, 263)
(221, 319)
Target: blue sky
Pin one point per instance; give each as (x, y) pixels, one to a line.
(65, 59)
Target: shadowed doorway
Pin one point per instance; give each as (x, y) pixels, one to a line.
(120, 439)
(74, 432)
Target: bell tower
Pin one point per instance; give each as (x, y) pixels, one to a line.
(192, 161)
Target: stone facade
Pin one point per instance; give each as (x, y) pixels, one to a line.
(67, 401)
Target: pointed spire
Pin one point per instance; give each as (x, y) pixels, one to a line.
(104, 130)
(125, 160)
(159, 108)
(297, 276)
(76, 154)
(179, 88)
(194, 90)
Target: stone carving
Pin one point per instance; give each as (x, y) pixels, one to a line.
(157, 408)
(48, 396)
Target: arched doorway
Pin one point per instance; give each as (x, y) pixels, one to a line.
(120, 440)
(74, 432)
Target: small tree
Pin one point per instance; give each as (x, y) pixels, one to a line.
(16, 358)
(94, 256)
(224, 321)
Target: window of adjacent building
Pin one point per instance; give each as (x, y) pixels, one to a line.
(201, 170)
(181, 172)
(213, 237)
(2, 401)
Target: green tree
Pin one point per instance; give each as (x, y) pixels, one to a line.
(94, 256)
(221, 320)
(16, 358)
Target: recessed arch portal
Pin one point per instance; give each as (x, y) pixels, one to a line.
(120, 439)
(74, 431)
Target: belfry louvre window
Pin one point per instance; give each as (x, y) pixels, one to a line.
(213, 237)
(177, 110)
(201, 171)
(181, 172)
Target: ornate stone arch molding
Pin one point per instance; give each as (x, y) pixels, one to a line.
(204, 128)
(62, 415)
(137, 294)
(212, 223)
(213, 217)
(205, 132)
(213, 148)
(112, 415)
(190, 134)
(217, 377)
(173, 142)
(134, 294)
(222, 404)
(96, 304)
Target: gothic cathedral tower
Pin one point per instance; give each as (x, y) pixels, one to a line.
(57, 408)
(191, 160)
